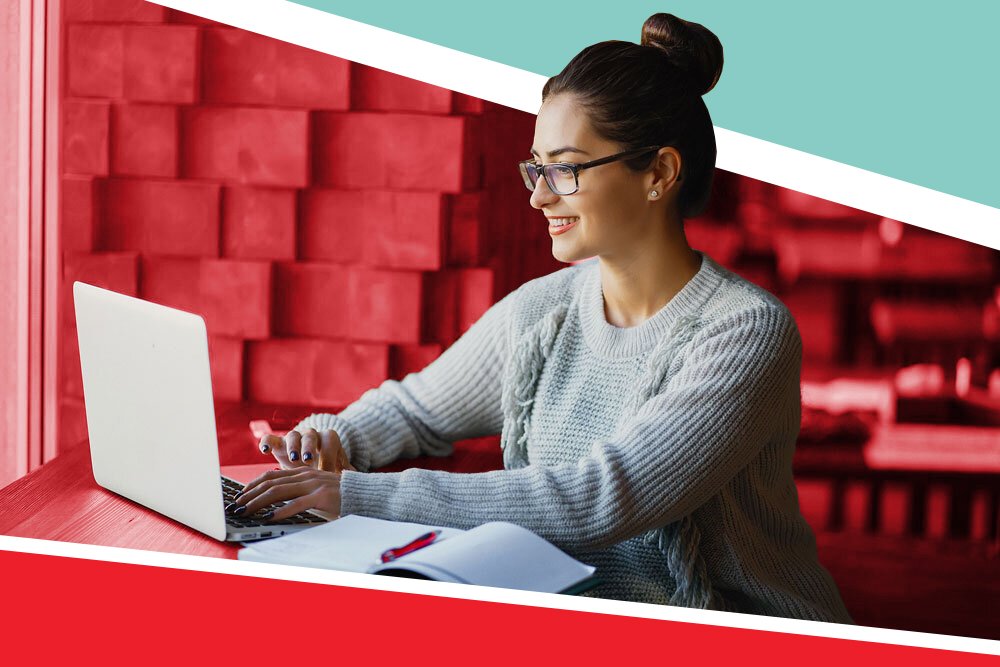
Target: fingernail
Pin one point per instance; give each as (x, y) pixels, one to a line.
(240, 509)
(307, 456)
(230, 506)
(267, 515)
(293, 456)
(265, 448)
(237, 496)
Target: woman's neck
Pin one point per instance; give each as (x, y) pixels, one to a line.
(638, 285)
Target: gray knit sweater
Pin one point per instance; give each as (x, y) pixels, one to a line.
(660, 453)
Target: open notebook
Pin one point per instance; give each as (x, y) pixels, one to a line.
(494, 554)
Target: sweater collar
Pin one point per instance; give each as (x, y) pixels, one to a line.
(607, 340)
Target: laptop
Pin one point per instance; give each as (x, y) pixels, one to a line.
(147, 390)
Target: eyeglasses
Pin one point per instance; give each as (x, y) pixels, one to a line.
(563, 178)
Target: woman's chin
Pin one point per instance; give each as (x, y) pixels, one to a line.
(567, 252)
(563, 256)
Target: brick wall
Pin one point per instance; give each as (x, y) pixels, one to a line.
(337, 225)
(330, 221)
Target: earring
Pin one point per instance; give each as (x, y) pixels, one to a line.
(654, 194)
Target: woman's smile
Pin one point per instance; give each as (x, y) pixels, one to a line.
(561, 224)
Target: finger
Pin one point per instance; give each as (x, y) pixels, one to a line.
(293, 447)
(293, 507)
(279, 490)
(249, 503)
(252, 485)
(332, 455)
(321, 501)
(310, 446)
(269, 442)
(274, 445)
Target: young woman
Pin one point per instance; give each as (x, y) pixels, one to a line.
(648, 399)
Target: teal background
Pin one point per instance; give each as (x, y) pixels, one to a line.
(908, 90)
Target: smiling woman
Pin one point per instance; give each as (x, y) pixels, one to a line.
(648, 400)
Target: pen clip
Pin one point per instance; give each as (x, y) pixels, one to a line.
(424, 540)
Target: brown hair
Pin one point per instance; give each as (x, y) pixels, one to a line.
(649, 94)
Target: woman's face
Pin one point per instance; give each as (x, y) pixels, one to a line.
(610, 213)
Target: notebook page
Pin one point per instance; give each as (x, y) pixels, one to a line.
(352, 543)
(502, 555)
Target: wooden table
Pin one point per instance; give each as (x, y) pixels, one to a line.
(61, 501)
(902, 582)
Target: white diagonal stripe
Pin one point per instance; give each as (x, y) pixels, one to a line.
(518, 89)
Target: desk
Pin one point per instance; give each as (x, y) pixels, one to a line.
(61, 501)
(900, 582)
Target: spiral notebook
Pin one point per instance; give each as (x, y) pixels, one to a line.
(495, 554)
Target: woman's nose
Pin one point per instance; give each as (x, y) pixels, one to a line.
(542, 194)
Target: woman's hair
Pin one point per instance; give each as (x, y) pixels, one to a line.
(649, 94)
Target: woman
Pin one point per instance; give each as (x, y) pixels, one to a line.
(648, 399)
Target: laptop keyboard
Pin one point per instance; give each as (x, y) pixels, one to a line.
(229, 490)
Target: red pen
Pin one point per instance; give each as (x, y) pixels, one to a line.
(424, 540)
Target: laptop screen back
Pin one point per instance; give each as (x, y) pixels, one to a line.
(148, 393)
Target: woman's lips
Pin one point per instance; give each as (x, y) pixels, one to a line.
(555, 230)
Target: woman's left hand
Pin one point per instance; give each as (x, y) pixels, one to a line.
(306, 489)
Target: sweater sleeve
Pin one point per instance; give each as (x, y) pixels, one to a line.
(456, 396)
(684, 444)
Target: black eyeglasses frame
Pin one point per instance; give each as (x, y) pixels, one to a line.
(546, 169)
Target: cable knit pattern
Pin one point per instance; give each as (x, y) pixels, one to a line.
(659, 453)
(519, 387)
(678, 541)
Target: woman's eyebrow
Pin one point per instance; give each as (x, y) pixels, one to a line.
(560, 151)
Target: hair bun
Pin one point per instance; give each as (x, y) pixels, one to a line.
(694, 48)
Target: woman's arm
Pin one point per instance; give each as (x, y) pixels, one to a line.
(709, 421)
(457, 396)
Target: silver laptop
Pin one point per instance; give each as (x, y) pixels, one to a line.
(148, 393)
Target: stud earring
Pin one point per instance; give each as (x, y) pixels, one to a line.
(654, 194)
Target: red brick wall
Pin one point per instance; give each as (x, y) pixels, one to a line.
(334, 224)
(337, 225)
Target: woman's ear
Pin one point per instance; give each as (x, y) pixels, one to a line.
(666, 171)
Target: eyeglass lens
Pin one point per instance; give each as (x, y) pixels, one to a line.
(560, 179)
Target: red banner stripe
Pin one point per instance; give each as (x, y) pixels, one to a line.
(65, 609)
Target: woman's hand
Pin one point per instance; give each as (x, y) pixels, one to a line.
(307, 449)
(305, 488)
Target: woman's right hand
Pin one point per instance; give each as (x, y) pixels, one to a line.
(307, 449)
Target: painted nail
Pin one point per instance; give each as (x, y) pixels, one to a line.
(293, 455)
(307, 456)
(230, 507)
(237, 496)
(267, 515)
(265, 448)
(240, 509)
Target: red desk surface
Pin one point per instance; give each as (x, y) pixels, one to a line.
(61, 501)
(886, 581)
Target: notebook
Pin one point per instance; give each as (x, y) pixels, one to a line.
(495, 554)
